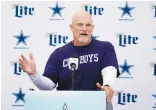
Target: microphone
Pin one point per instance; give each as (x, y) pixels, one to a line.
(73, 63)
(73, 66)
(31, 89)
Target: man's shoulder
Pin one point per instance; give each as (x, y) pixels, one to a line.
(61, 51)
(64, 48)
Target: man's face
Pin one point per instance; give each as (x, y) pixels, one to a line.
(82, 29)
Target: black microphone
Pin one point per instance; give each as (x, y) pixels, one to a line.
(31, 89)
(73, 66)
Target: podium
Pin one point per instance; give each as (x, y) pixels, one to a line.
(65, 100)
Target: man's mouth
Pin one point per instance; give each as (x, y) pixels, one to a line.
(84, 34)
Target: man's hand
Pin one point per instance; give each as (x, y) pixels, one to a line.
(109, 91)
(28, 66)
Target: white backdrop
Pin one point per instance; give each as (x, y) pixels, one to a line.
(36, 27)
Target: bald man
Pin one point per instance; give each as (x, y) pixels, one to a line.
(97, 62)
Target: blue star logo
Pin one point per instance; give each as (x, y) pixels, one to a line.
(21, 38)
(154, 106)
(94, 37)
(154, 95)
(57, 10)
(19, 96)
(126, 10)
(125, 67)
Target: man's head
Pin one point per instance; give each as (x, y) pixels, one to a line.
(82, 28)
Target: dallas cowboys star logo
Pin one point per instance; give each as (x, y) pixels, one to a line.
(19, 96)
(94, 37)
(126, 10)
(154, 37)
(154, 106)
(57, 10)
(125, 67)
(154, 95)
(21, 38)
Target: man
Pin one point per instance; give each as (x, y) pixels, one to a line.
(97, 68)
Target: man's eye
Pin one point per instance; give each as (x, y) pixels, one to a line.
(80, 24)
(88, 25)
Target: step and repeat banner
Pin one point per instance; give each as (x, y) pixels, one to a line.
(41, 27)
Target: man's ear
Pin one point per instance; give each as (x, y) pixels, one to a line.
(93, 26)
(71, 27)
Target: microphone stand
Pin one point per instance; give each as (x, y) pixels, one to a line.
(73, 70)
(73, 79)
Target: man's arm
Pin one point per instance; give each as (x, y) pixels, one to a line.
(109, 71)
(109, 75)
(29, 66)
(41, 82)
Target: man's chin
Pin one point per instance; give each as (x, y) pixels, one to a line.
(83, 40)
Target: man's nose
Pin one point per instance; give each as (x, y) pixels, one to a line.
(84, 28)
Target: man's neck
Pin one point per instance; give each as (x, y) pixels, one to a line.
(77, 43)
